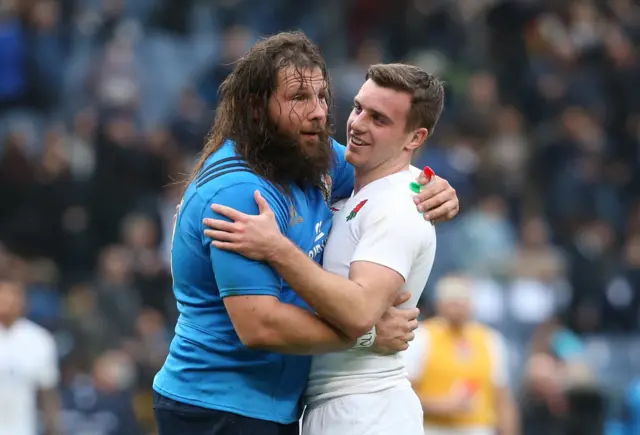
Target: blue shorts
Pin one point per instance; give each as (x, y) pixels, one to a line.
(176, 418)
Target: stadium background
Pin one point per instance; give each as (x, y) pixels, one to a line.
(104, 104)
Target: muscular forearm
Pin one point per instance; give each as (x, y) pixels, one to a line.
(340, 301)
(292, 330)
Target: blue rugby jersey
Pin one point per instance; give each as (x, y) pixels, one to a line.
(207, 365)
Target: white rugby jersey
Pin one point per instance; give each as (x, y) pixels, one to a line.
(379, 224)
(28, 363)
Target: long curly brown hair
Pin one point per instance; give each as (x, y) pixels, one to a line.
(242, 114)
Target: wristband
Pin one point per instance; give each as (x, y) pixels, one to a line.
(366, 340)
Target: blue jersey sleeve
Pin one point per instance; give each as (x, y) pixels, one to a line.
(236, 274)
(343, 174)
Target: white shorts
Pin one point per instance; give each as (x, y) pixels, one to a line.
(396, 411)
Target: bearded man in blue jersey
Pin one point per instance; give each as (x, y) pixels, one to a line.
(239, 361)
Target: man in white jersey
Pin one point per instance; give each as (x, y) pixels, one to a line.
(28, 368)
(378, 246)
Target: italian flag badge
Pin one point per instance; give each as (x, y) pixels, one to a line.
(356, 209)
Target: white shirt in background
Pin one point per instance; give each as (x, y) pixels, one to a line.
(28, 363)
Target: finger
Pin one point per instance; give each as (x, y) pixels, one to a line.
(225, 246)
(411, 313)
(453, 213)
(221, 236)
(401, 298)
(404, 346)
(218, 224)
(412, 325)
(436, 186)
(409, 336)
(440, 212)
(229, 212)
(437, 201)
(263, 205)
(426, 175)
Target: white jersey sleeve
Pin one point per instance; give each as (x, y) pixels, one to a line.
(48, 375)
(499, 352)
(415, 357)
(394, 236)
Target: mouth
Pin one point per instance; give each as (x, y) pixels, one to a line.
(310, 134)
(355, 141)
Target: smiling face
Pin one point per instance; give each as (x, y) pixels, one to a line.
(377, 134)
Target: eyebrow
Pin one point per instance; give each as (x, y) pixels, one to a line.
(374, 112)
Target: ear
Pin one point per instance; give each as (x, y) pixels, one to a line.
(417, 138)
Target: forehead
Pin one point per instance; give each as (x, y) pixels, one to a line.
(291, 78)
(393, 104)
(10, 288)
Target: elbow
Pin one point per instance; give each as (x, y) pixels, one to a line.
(259, 338)
(358, 326)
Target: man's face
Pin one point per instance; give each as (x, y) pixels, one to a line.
(376, 129)
(11, 300)
(455, 310)
(299, 106)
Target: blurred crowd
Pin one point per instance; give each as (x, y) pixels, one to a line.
(104, 105)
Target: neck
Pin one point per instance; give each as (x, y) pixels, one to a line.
(456, 327)
(364, 177)
(7, 322)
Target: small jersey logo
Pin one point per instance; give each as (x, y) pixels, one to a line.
(294, 217)
(356, 209)
(327, 185)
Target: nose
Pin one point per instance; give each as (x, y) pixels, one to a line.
(357, 122)
(318, 112)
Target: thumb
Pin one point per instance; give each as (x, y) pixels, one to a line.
(263, 206)
(401, 298)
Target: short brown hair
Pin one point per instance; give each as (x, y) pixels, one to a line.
(427, 91)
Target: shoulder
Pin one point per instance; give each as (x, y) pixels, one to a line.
(221, 174)
(232, 180)
(393, 203)
(35, 334)
(493, 337)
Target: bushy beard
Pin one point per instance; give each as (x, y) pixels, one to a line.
(285, 159)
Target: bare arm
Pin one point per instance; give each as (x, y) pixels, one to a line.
(50, 405)
(384, 255)
(355, 304)
(263, 322)
(507, 412)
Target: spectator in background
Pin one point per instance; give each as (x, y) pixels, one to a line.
(28, 368)
(101, 402)
(459, 369)
(561, 395)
